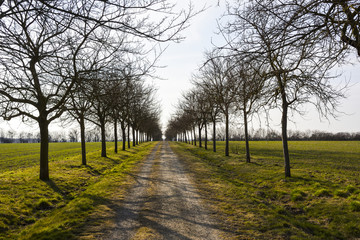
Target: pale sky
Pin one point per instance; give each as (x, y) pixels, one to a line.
(182, 60)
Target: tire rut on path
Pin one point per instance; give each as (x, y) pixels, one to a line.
(164, 204)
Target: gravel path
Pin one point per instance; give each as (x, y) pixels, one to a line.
(164, 204)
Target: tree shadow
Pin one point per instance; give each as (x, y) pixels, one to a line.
(92, 170)
(55, 187)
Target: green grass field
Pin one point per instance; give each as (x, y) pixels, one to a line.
(320, 201)
(15, 156)
(60, 208)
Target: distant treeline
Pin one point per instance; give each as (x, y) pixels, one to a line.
(271, 135)
(72, 135)
(262, 134)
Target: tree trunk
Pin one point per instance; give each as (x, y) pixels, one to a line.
(128, 135)
(123, 129)
(185, 137)
(285, 138)
(137, 137)
(214, 135)
(83, 143)
(194, 136)
(226, 134)
(134, 138)
(103, 139)
(115, 136)
(44, 149)
(247, 148)
(206, 136)
(200, 142)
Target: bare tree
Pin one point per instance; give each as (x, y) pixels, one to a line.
(339, 19)
(192, 105)
(210, 110)
(216, 80)
(101, 89)
(140, 107)
(180, 123)
(43, 45)
(250, 78)
(78, 108)
(33, 51)
(73, 135)
(297, 72)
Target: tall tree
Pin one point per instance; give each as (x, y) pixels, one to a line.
(42, 45)
(102, 91)
(297, 72)
(78, 108)
(217, 82)
(250, 78)
(34, 52)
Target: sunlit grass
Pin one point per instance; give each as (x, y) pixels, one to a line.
(19, 155)
(319, 201)
(57, 208)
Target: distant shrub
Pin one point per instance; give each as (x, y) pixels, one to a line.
(322, 193)
(297, 195)
(355, 206)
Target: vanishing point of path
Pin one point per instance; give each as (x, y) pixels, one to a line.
(163, 203)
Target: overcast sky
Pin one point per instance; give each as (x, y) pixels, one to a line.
(184, 58)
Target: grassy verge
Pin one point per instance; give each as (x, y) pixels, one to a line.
(320, 201)
(65, 206)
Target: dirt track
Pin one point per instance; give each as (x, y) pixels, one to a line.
(163, 203)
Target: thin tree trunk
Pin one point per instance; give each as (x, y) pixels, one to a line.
(134, 138)
(44, 149)
(83, 143)
(194, 136)
(103, 139)
(137, 137)
(285, 138)
(247, 148)
(226, 134)
(214, 135)
(123, 129)
(128, 135)
(115, 136)
(206, 137)
(185, 137)
(200, 143)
